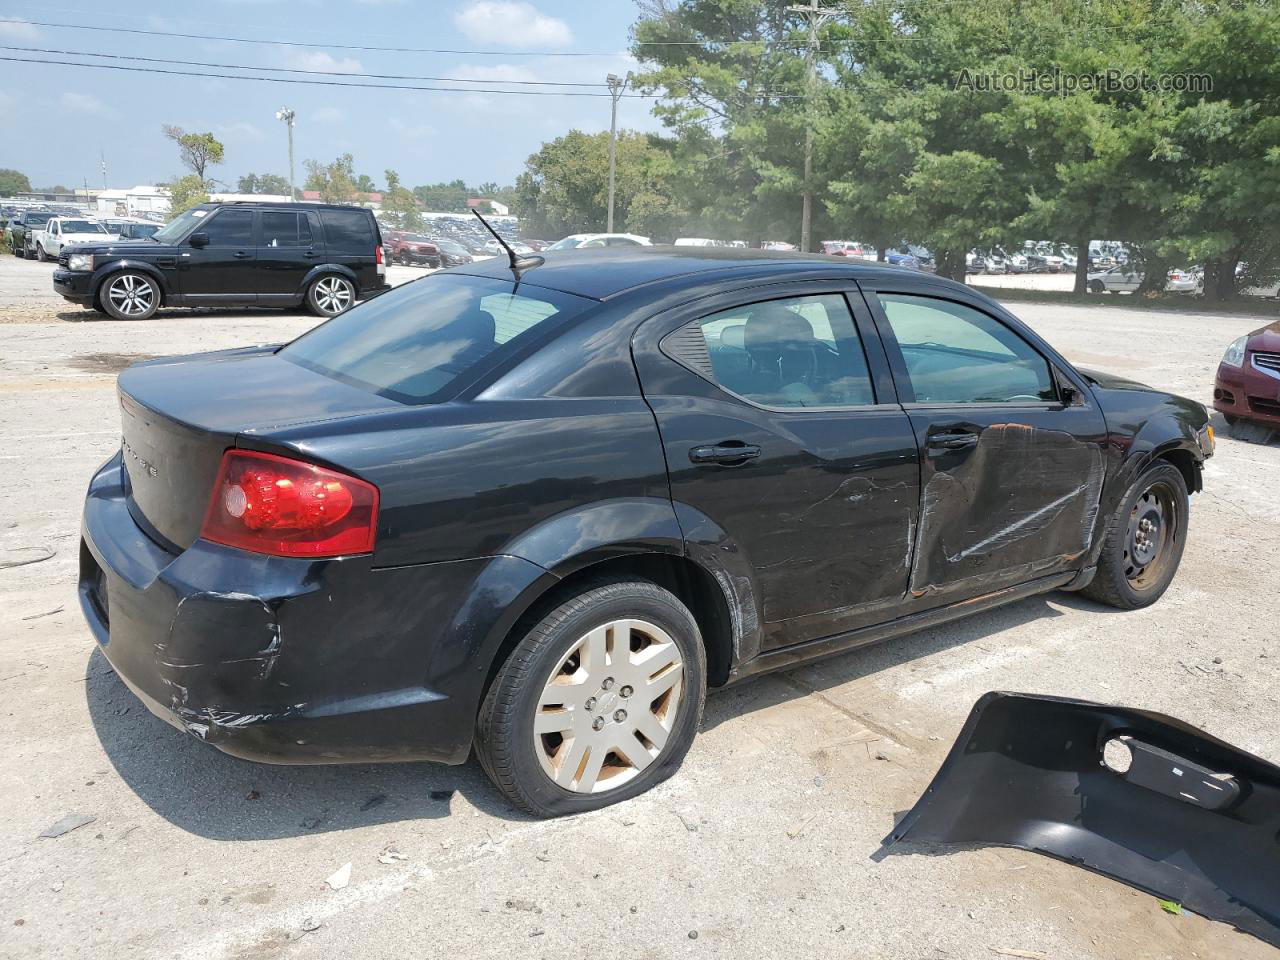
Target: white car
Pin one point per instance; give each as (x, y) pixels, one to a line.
(494, 248)
(695, 242)
(60, 232)
(576, 241)
(1124, 279)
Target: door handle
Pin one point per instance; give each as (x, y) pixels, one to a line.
(731, 451)
(311, 254)
(242, 255)
(953, 441)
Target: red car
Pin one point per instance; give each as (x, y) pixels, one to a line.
(1248, 382)
(411, 248)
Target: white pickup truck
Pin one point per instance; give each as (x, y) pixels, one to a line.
(59, 232)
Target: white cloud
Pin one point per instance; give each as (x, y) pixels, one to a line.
(83, 103)
(242, 131)
(18, 30)
(511, 24)
(295, 59)
(496, 72)
(410, 131)
(329, 115)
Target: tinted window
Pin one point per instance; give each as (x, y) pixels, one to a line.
(350, 231)
(230, 228)
(285, 229)
(798, 352)
(413, 341)
(39, 218)
(955, 354)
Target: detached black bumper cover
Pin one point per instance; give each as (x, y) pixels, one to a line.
(1192, 819)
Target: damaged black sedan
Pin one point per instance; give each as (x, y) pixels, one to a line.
(537, 510)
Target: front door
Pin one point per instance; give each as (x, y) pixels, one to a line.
(222, 270)
(1012, 448)
(287, 251)
(780, 427)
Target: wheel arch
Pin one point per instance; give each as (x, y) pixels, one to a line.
(105, 273)
(320, 269)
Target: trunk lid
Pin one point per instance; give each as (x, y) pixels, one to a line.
(180, 414)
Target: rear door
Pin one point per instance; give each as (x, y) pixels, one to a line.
(1012, 447)
(779, 422)
(222, 271)
(288, 249)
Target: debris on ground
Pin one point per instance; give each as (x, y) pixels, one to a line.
(1022, 954)
(391, 855)
(1170, 906)
(47, 613)
(310, 926)
(341, 878)
(798, 830)
(526, 906)
(72, 821)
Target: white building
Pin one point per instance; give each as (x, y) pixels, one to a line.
(135, 202)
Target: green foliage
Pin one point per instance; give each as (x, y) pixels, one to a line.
(565, 187)
(11, 182)
(336, 181)
(197, 151)
(185, 193)
(400, 202)
(268, 183)
(444, 197)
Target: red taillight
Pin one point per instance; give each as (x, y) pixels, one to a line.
(287, 508)
(377, 254)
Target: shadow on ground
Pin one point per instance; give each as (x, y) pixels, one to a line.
(208, 793)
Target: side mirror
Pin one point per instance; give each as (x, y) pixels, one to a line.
(1069, 394)
(198, 240)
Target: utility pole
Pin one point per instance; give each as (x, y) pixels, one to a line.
(816, 17)
(285, 114)
(103, 155)
(616, 85)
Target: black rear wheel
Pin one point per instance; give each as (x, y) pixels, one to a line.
(1144, 540)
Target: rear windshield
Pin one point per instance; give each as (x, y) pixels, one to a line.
(412, 342)
(350, 231)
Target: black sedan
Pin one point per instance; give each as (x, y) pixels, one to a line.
(541, 514)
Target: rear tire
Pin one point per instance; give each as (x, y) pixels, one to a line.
(1143, 541)
(331, 295)
(19, 252)
(129, 295)
(607, 688)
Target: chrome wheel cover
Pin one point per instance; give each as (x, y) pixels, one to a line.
(333, 294)
(131, 295)
(607, 709)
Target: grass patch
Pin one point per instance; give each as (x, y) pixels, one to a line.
(1160, 303)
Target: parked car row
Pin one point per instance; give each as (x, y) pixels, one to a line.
(41, 234)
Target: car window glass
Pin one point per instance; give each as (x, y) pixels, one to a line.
(350, 231)
(285, 229)
(796, 352)
(956, 354)
(230, 228)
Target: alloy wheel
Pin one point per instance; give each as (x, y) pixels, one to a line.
(608, 708)
(333, 294)
(131, 295)
(1152, 528)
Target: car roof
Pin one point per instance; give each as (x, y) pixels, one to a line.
(605, 272)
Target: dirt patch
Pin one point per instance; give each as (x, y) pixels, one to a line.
(108, 362)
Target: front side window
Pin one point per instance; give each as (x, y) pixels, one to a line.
(411, 343)
(796, 352)
(230, 228)
(956, 354)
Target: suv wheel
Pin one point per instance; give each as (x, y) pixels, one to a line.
(129, 296)
(599, 701)
(1143, 542)
(331, 294)
(40, 254)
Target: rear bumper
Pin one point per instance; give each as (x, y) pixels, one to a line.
(76, 286)
(283, 660)
(1247, 393)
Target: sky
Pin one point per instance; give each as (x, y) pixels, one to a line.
(70, 117)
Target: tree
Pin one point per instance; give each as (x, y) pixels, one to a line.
(444, 197)
(400, 202)
(269, 183)
(11, 182)
(365, 184)
(335, 181)
(185, 193)
(198, 151)
(565, 186)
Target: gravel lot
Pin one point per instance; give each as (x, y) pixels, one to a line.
(761, 846)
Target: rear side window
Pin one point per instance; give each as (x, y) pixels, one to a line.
(797, 352)
(413, 342)
(348, 231)
(285, 229)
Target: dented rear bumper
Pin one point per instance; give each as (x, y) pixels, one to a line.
(1191, 819)
(274, 659)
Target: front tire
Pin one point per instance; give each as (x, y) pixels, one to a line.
(1097, 286)
(1143, 541)
(40, 254)
(330, 295)
(129, 295)
(598, 702)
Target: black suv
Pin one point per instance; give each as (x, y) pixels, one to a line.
(237, 254)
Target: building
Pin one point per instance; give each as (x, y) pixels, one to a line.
(137, 201)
